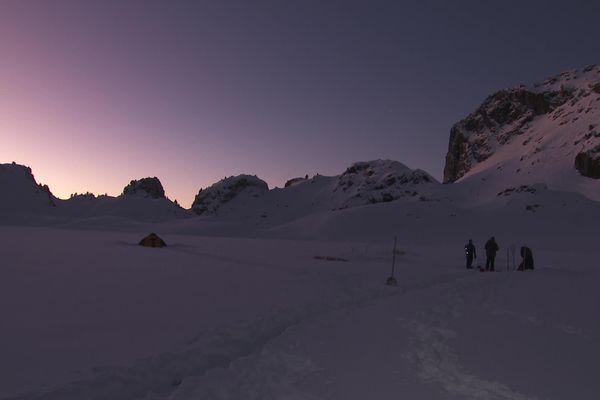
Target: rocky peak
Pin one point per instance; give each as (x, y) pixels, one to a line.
(18, 182)
(145, 187)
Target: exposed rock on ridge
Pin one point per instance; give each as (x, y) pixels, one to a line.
(295, 181)
(145, 187)
(588, 163)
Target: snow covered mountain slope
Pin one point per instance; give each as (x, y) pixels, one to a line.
(245, 199)
(362, 184)
(209, 201)
(381, 181)
(548, 133)
(83, 209)
(24, 201)
(21, 195)
(142, 201)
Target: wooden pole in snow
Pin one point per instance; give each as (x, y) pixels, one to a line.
(391, 281)
(394, 256)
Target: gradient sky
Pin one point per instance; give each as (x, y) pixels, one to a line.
(96, 93)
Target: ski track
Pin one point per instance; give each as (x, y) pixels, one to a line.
(171, 375)
(438, 362)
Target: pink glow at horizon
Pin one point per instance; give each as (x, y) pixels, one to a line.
(88, 122)
(96, 93)
(83, 143)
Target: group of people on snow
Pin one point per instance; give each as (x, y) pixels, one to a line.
(491, 248)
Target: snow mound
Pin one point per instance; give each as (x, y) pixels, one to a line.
(209, 200)
(133, 207)
(546, 133)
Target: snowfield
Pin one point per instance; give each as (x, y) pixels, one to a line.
(245, 311)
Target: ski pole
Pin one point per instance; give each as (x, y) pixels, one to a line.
(394, 256)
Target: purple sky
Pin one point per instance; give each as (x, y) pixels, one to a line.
(96, 93)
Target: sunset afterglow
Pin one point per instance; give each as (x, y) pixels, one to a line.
(93, 95)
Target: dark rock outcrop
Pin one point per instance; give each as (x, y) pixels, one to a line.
(145, 187)
(588, 163)
(456, 162)
(295, 181)
(46, 191)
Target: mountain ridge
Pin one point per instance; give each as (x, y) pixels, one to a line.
(544, 133)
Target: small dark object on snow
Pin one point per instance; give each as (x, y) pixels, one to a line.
(330, 258)
(176, 382)
(152, 240)
(391, 281)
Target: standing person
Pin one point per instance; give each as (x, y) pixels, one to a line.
(471, 253)
(491, 247)
(527, 262)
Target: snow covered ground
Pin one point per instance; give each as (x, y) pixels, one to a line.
(254, 310)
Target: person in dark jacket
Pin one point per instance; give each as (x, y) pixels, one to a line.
(527, 262)
(491, 248)
(470, 253)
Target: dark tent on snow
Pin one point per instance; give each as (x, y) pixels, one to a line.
(152, 240)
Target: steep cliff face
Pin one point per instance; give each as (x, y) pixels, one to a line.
(547, 129)
(501, 117)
